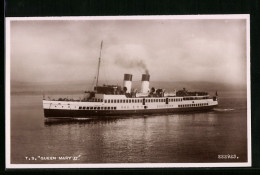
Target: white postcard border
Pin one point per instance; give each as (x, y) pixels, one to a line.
(9, 165)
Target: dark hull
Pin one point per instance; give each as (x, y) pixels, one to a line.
(56, 113)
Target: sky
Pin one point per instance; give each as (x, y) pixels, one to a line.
(170, 50)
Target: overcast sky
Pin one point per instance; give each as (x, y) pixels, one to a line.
(171, 50)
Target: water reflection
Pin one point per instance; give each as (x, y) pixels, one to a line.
(99, 120)
(112, 119)
(68, 121)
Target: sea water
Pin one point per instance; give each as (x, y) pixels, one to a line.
(216, 136)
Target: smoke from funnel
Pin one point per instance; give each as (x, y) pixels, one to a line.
(137, 63)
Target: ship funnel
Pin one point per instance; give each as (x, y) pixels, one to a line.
(128, 82)
(145, 83)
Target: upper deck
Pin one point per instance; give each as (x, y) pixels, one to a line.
(124, 99)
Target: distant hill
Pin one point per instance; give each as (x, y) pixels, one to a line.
(78, 87)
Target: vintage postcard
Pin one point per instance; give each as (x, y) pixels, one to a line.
(128, 91)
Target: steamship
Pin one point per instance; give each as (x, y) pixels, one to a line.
(111, 100)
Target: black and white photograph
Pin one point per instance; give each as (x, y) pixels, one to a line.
(128, 91)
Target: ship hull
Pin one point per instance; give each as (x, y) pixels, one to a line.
(61, 113)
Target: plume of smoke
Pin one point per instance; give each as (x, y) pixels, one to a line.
(132, 63)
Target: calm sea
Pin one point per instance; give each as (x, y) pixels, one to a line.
(175, 138)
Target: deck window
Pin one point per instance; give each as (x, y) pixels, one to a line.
(114, 107)
(80, 107)
(84, 107)
(98, 108)
(95, 108)
(108, 101)
(87, 107)
(117, 101)
(91, 107)
(108, 107)
(105, 101)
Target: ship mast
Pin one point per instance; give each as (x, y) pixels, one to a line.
(99, 59)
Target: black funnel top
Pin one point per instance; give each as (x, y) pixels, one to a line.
(145, 77)
(128, 77)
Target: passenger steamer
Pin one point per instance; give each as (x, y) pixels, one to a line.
(113, 100)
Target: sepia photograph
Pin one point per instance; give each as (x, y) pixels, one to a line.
(128, 91)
